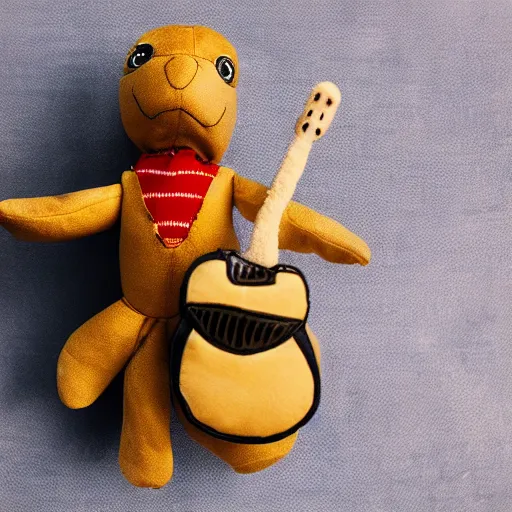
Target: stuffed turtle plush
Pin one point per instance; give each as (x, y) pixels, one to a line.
(178, 105)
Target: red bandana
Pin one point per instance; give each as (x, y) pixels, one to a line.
(173, 186)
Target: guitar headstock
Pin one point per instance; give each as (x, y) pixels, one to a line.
(318, 112)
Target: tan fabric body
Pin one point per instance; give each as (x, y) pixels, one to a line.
(136, 330)
(151, 274)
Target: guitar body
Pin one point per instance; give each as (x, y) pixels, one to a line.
(242, 365)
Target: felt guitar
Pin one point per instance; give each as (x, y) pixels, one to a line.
(242, 365)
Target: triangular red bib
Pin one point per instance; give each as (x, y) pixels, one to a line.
(173, 186)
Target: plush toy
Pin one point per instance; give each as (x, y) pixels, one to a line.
(178, 105)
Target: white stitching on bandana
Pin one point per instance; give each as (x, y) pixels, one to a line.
(175, 173)
(159, 195)
(174, 223)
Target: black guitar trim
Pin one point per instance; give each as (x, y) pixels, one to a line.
(178, 345)
(239, 351)
(229, 256)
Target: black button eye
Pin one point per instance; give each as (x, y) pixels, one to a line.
(141, 54)
(226, 69)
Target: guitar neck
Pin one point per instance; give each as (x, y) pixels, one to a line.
(311, 125)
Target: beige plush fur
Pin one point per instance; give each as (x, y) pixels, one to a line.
(311, 125)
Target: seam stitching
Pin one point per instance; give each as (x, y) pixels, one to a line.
(20, 217)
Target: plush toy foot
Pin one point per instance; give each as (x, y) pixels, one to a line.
(145, 454)
(243, 458)
(95, 353)
(258, 465)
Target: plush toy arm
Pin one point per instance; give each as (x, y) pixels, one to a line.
(63, 217)
(303, 229)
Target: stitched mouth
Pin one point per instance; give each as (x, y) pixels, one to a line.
(204, 125)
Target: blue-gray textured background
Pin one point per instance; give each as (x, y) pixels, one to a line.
(417, 347)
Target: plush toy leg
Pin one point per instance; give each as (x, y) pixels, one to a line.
(95, 353)
(145, 454)
(243, 458)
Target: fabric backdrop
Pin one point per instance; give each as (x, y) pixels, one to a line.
(416, 412)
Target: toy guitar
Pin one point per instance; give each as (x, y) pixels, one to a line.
(242, 365)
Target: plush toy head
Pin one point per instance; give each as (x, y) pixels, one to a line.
(179, 90)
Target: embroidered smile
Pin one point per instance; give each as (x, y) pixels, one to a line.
(204, 125)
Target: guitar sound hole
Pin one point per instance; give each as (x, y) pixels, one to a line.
(242, 272)
(240, 331)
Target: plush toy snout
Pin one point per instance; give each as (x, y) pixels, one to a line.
(181, 70)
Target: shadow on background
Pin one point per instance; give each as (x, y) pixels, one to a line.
(79, 143)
